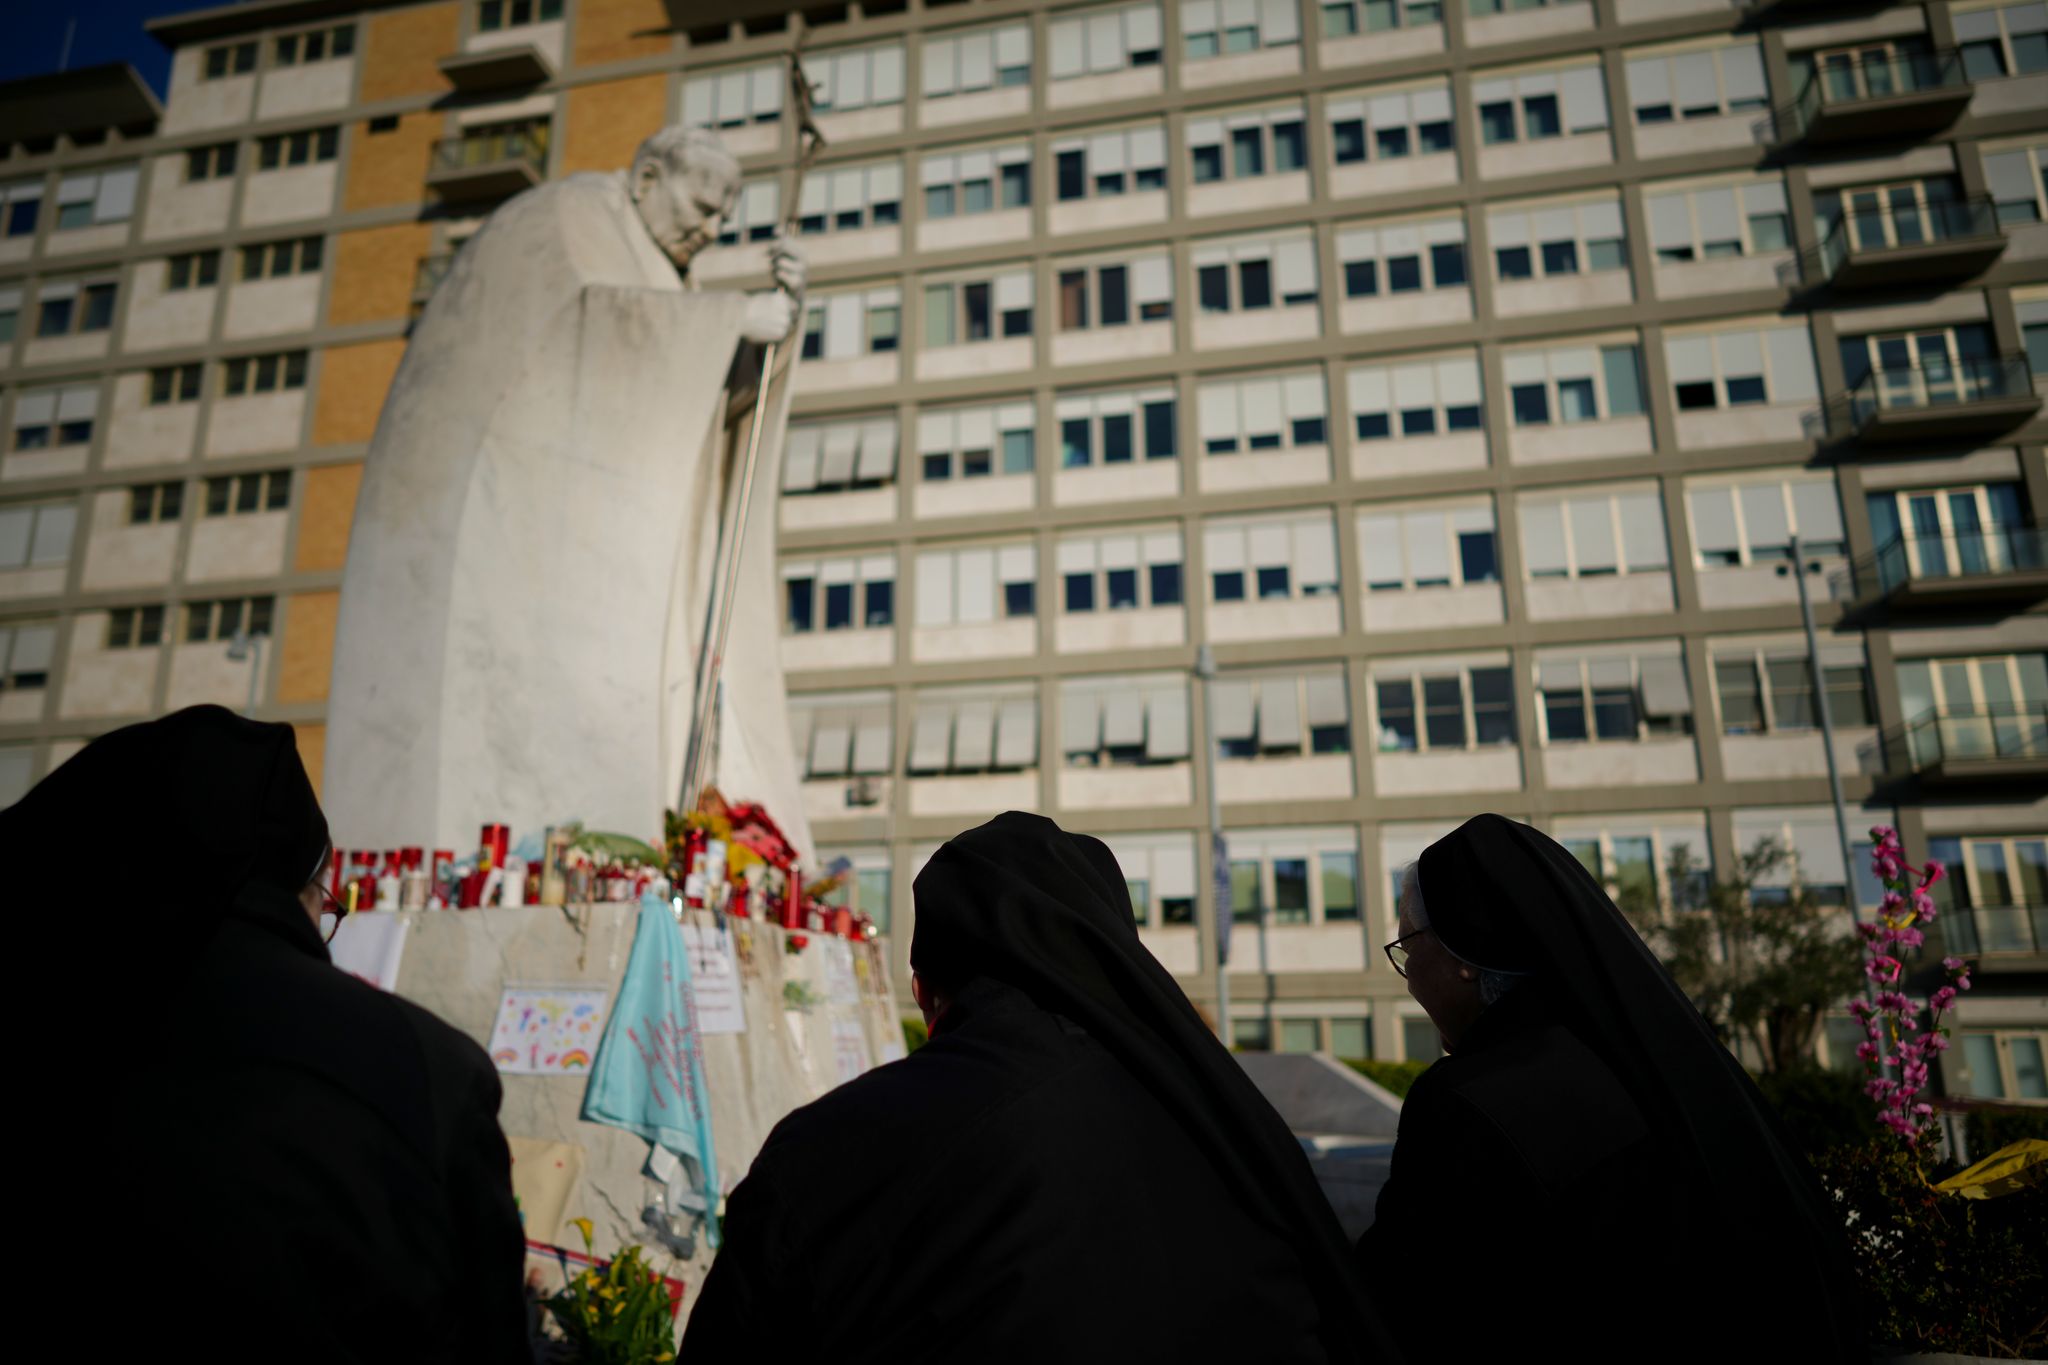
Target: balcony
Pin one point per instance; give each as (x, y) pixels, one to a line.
(1938, 401)
(1877, 98)
(2006, 564)
(494, 164)
(427, 276)
(1980, 746)
(497, 69)
(1997, 931)
(1910, 244)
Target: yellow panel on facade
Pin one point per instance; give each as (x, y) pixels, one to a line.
(306, 660)
(390, 167)
(607, 122)
(373, 272)
(402, 51)
(327, 509)
(312, 750)
(353, 382)
(615, 30)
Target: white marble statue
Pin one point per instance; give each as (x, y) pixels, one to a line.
(530, 564)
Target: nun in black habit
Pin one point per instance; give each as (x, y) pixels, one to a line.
(1587, 1172)
(257, 1155)
(1073, 1169)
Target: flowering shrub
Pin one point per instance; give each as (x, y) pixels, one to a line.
(1902, 1037)
(618, 1312)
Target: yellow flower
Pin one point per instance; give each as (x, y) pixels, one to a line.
(582, 1225)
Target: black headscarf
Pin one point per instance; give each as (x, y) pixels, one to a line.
(1024, 902)
(191, 814)
(1502, 895)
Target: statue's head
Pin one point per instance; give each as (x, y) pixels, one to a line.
(683, 182)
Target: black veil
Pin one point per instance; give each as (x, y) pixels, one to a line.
(1047, 912)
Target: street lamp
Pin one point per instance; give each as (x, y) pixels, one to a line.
(247, 646)
(1218, 955)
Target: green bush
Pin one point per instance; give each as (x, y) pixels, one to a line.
(1821, 1109)
(1393, 1076)
(915, 1035)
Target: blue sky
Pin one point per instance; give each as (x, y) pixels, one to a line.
(108, 31)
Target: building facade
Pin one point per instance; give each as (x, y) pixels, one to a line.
(1460, 374)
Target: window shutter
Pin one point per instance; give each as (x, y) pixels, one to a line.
(1718, 219)
(1017, 733)
(935, 588)
(1315, 552)
(1670, 221)
(1166, 723)
(831, 739)
(1069, 38)
(1584, 96)
(1261, 406)
(1763, 515)
(1141, 26)
(1282, 22)
(1294, 266)
(1379, 546)
(800, 460)
(1367, 390)
(841, 444)
(1080, 721)
(931, 736)
(1817, 511)
(974, 735)
(1303, 396)
(1690, 359)
(1665, 691)
(1152, 279)
(878, 442)
(1713, 520)
(1642, 532)
(1327, 702)
(1692, 77)
(1457, 381)
(1592, 521)
(976, 586)
(1742, 72)
(1105, 42)
(116, 199)
(1280, 713)
(1543, 538)
(842, 326)
(1123, 718)
(873, 740)
(1429, 555)
(1649, 82)
(1232, 700)
(1792, 375)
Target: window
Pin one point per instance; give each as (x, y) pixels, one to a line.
(1996, 888)
(1935, 365)
(843, 734)
(757, 212)
(976, 443)
(174, 384)
(262, 373)
(2011, 40)
(865, 889)
(2005, 1063)
(270, 260)
(977, 584)
(1752, 520)
(2033, 320)
(2016, 179)
(25, 653)
(34, 535)
(305, 147)
(1770, 689)
(493, 15)
(1406, 549)
(326, 44)
(241, 494)
(1739, 369)
(75, 308)
(1392, 125)
(850, 199)
(1903, 213)
(847, 326)
(1159, 870)
(1248, 145)
(225, 618)
(1810, 838)
(19, 203)
(1282, 715)
(1120, 571)
(993, 728)
(192, 270)
(974, 182)
(97, 199)
(1341, 19)
(1125, 722)
(968, 311)
(1557, 240)
(1116, 294)
(229, 59)
(1250, 276)
(1540, 104)
(1991, 705)
(1225, 28)
(1615, 695)
(980, 59)
(1698, 84)
(831, 457)
(843, 593)
(1574, 384)
(1935, 532)
(1274, 412)
(1461, 707)
(1098, 41)
(210, 163)
(46, 418)
(1120, 427)
(1287, 876)
(10, 313)
(1124, 161)
(1403, 258)
(1593, 534)
(135, 627)
(1271, 558)
(1422, 398)
(858, 78)
(1632, 858)
(150, 503)
(1719, 220)
(734, 99)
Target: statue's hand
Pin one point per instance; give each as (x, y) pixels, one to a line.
(772, 314)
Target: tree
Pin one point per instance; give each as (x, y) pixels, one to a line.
(1763, 973)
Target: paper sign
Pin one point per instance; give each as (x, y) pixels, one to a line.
(547, 1031)
(544, 1176)
(370, 946)
(715, 979)
(849, 1049)
(842, 987)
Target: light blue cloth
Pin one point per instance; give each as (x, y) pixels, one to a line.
(649, 1076)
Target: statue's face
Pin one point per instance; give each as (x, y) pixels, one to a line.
(684, 210)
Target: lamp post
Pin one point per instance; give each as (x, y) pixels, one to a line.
(1219, 865)
(247, 646)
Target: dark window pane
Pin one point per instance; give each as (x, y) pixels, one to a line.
(797, 597)
(1255, 284)
(1290, 149)
(1019, 599)
(1165, 584)
(881, 603)
(1227, 585)
(1208, 164)
(1476, 557)
(1212, 288)
(1160, 441)
(1347, 141)
(1116, 438)
(1114, 297)
(1075, 451)
(1447, 263)
(1404, 274)
(1273, 582)
(1123, 588)
(838, 606)
(1361, 278)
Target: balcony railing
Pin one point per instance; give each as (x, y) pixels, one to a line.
(1960, 564)
(1981, 395)
(490, 163)
(1998, 929)
(1893, 244)
(1990, 741)
(1880, 95)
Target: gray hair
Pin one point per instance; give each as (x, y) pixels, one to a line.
(1492, 984)
(678, 148)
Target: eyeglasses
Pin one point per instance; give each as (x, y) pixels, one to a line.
(1398, 954)
(330, 906)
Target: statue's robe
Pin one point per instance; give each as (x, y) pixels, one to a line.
(530, 565)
